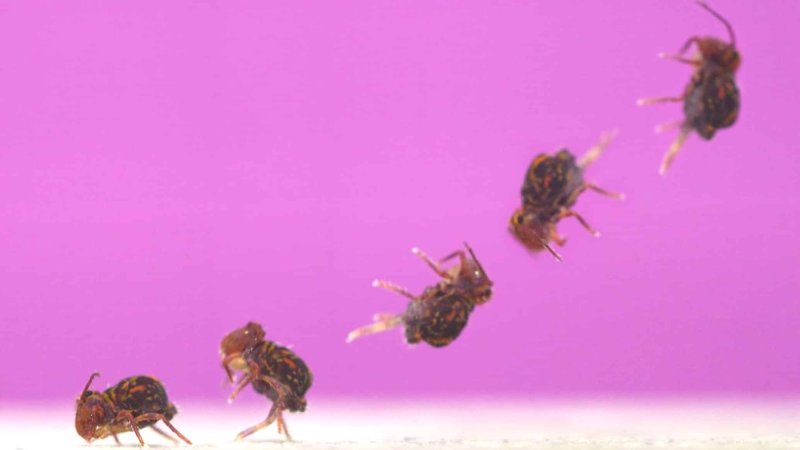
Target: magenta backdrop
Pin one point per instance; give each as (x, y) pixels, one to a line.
(169, 171)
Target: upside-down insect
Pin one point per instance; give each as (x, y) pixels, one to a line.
(550, 190)
(440, 313)
(132, 404)
(711, 99)
(274, 371)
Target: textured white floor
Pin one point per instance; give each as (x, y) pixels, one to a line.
(463, 425)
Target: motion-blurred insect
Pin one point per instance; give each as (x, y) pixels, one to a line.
(133, 403)
(274, 371)
(440, 313)
(711, 99)
(551, 187)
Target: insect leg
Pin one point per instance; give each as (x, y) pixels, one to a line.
(275, 412)
(593, 153)
(378, 317)
(282, 425)
(116, 439)
(462, 257)
(557, 238)
(265, 423)
(680, 58)
(654, 100)
(158, 416)
(123, 416)
(242, 384)
(599, 190)
(227, 360)
(689, 42)
(673, 151)
(382, 323)
(669, 126)
(431, 263)
(571, 213)
(163, 433)
(389, 286)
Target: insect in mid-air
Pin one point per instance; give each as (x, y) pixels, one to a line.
(273, 370)
(440, 313)
(711, 99)
(130, 405)
(550, 190)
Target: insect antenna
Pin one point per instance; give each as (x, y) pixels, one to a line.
(475, 258)
(89, 383)
(550, 249)
(727, 24)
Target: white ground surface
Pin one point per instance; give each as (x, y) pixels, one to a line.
(455, 425)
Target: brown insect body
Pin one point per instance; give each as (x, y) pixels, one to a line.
(551, 188)
(283, 365)
(711, 99)
(716, 51)
(438, 318)
(273, 370)
(441, 312)
(551, 184)
(133, 403)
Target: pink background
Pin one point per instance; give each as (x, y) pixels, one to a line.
(169, 171)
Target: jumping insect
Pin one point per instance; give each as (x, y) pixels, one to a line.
(440, 313)
(551, 188)
(711, 99)
(133, 403)
(274, 371)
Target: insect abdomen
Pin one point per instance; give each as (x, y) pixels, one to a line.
(438, 320)
(550, 182)
(287, 368)
(141, 394)
(712, 101)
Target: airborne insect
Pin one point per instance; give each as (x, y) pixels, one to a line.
(551, 188)
(133, 403)
(273, 370)
(711, 99)
(440, 313)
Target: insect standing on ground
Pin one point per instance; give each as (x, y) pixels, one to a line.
(273, 370)
(550, 190)
(440, 313)
(711, 99)
(132, 404)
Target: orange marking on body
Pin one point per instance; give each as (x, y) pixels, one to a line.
(137, 389)
(539, 159)
(290, 363)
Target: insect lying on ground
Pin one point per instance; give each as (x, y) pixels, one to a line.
(440, 313)
(274, 371)
(132, 404)
(711, 99)
(551, 188)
